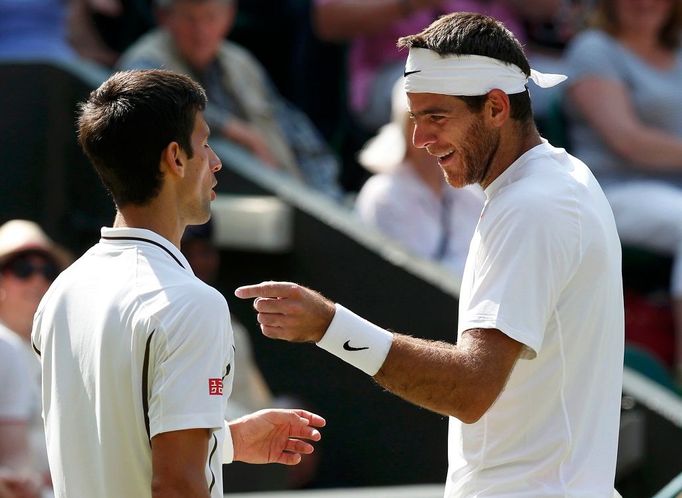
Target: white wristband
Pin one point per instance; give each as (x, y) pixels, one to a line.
(228, 445)
(356, 341)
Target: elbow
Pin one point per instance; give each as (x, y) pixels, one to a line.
(471, 415)
(472, 410)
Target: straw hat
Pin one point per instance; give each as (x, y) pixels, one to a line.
(386, 150)
(17, 236)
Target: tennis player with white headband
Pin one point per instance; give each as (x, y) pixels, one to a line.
(533, 385)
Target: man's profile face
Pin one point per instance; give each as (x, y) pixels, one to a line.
(458, 137)
(198, 28)
(199, 176)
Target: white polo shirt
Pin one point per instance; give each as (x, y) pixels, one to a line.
(545, 269)
(132, 345)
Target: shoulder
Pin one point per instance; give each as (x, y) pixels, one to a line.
(545, 190)
(238, 54)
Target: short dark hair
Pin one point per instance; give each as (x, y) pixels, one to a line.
(129, 120)
(466, 33)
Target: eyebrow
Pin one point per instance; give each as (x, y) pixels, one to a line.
(430, 110)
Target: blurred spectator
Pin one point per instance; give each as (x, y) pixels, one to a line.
(243, 104)
(16, 408)
(409, 199)
(625, 108)
(53, 29)
(372, 28)
(29, 262)
(34, 28)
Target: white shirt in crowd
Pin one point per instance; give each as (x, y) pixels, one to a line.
(404, 208)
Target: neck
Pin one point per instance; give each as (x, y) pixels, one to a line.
(151, 217)
(21, 327)
(510, 148)
(640, 42)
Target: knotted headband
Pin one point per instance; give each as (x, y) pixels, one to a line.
(466, 75)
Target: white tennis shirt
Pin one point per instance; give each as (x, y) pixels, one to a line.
(545, 268)
(132, 345)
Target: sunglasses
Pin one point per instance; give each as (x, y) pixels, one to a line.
(23, 269)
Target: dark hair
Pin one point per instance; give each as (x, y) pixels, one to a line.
(465, 33)
(129, 120)
(605, 18)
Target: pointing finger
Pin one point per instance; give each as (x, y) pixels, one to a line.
(265, 289)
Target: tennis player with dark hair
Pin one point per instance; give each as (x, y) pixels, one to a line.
(533, 385)
(137, 353)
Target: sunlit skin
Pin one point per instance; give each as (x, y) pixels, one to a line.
(447, 129)
(471, 147)
(199, 178)
(186, 192)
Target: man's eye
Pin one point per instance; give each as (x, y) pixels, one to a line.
(435, 118)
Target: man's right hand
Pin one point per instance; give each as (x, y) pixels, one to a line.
(289, 311)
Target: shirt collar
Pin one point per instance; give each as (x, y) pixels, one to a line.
(508, 176)
(127, 235)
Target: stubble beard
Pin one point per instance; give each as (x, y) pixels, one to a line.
(475, 154)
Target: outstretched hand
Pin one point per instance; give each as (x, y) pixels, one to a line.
(289, 311)
(275, 436)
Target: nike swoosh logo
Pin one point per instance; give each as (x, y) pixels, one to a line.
(407, 73)
(348, 347)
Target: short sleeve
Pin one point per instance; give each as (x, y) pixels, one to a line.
(593, 54)
(15, 388)
(191, 369)
(527, 251)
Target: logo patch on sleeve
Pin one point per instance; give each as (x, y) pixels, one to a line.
(215, 387)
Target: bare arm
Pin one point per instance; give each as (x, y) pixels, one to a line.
(339, 20)
(178, 463)
(607, 107)
(460, 380)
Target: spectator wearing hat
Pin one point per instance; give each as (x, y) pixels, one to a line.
(408, 198)
(29, 262)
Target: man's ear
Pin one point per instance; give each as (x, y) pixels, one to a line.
(173, 159)
(497, 107)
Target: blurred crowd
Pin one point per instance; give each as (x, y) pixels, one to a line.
(313, 89)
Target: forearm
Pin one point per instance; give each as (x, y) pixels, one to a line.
(434, 375)
(652, 149)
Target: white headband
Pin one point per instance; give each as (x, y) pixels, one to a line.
(466, 75)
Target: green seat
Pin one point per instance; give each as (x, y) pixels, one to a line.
(648, 365)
